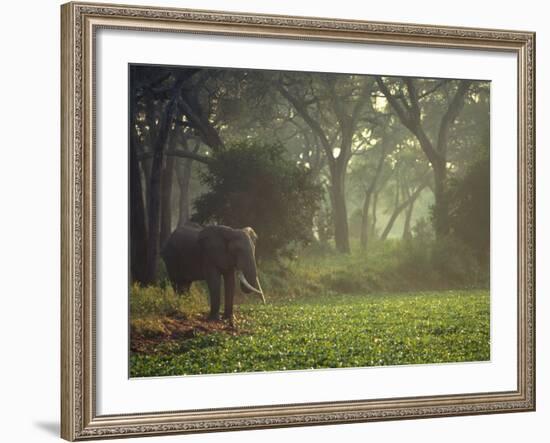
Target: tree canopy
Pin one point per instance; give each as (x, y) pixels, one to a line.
(344, 160)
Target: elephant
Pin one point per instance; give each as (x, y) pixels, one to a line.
(195, 253)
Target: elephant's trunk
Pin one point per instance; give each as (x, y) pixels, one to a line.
(251, 288)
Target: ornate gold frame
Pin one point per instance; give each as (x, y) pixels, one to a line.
(79, 23)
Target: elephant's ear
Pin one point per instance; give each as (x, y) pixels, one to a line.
(213, 241)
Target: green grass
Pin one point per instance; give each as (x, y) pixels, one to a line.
(306, 332)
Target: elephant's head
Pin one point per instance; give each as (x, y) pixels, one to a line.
(227, 248)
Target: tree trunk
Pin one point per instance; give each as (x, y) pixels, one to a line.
(146, 168)
(389, 225)
(337, 165)
(394, 215)
(138, 231)
(163, 123)
(339, 210)
(399, 208)
(407, 235)
(154, 196)
(166, 199)
(365, 221)
(184, 178)
(374, 219)
(368, 195)
(441, 205)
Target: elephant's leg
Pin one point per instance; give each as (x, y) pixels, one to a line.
(173, 277)
(213, 280)
(229, 286)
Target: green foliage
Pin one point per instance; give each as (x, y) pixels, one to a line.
(333, 332)
(253, 184)
(162, 301)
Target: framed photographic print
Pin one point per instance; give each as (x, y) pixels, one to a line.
(282, 221)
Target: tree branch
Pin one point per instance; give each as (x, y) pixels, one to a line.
(432, 90)
(311, 122)
(409, 121)
(450, 116)
(398, 108)
(413, 96)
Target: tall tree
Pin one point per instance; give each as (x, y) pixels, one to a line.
(143, 81)
(138, 230)
(321, 100)
(416, 111)
(165, 121)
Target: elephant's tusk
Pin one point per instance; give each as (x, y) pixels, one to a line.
(260, 288)
(248, 286)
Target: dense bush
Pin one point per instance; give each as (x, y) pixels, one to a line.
(256, 185)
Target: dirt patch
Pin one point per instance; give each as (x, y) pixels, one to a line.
(146, 335)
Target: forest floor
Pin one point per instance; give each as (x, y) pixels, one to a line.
(170, 335)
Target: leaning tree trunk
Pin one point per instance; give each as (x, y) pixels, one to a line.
(166, 199)
(399, 208)
(394, 215)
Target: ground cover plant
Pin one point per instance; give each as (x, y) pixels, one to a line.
(325, 332)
